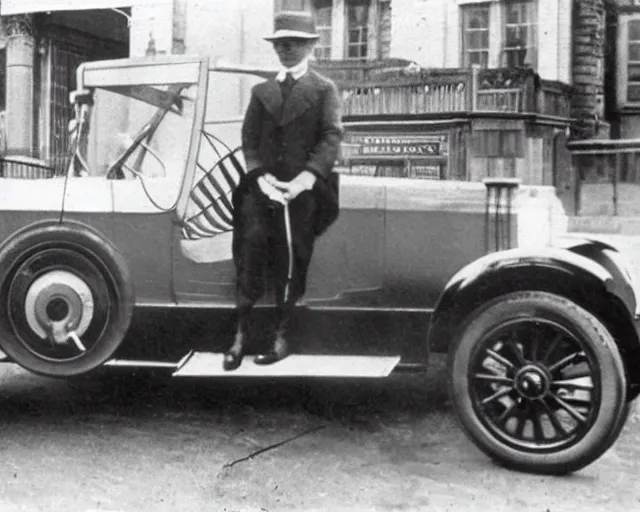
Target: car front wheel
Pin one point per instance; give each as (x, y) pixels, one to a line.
(537, 383)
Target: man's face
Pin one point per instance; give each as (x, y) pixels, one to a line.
(293, 50)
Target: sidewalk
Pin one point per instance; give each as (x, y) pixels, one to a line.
(605, 224)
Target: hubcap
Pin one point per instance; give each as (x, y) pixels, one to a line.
(532, 382)
(59, 305)
(58, 299)
(57, 309)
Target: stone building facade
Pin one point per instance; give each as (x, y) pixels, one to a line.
(624, 87)
(495, 86)
(42, 52)
(41, 45)
(588, 64)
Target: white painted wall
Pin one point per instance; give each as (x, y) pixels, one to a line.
(554, 40)
(429, 32)
(564, 40)
(227, 31)
(231, 32)
(548, 38)
(426, 31)
(151, 20)
(452, 35)
(418, 31)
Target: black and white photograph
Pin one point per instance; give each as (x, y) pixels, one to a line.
(319, 255)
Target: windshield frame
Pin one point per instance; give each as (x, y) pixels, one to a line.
(136, 78)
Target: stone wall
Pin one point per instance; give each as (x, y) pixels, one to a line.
(588, 67)
(385, 29)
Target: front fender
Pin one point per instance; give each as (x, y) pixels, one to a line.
(591, 261)
(607, 254)
(494, 262)
(567, 272)
(591, 274)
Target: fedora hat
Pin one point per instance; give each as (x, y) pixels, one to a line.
(293, 24)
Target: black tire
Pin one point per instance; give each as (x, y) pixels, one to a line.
(617, 429)
(525, 409)
(69, 274)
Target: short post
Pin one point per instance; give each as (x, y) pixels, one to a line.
(475, 71)
(496, 188)
(615, 178)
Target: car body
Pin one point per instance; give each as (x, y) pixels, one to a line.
(141, 219)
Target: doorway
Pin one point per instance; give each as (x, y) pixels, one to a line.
(70, 38)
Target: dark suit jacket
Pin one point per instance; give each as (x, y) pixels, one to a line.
(303, 133)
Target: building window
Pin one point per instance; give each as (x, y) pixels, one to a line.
(324, 27)
(628, 61)
(520, 44)
(475, 35)
(499, 34)
(632, 85)
(357, 29)
(346, 28)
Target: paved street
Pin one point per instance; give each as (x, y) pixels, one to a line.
(120, 442)
(117, 442)
(120, 184)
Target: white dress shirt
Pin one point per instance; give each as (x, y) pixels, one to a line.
(296, 71)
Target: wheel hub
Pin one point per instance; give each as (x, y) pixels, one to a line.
(60, 301)
(57, 309)
(532, 382)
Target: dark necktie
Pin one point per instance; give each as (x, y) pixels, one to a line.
(286, 85)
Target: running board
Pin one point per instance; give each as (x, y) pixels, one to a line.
(208, 364)
(135, 363)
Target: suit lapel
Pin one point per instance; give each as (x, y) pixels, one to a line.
(269, 94)
(303, 95)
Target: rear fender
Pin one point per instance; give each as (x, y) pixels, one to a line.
(590, 274)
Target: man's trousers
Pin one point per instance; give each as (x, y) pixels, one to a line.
(260, 249)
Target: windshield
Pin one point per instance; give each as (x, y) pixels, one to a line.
(136, 131)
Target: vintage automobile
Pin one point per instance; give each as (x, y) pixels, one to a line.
(544, 354)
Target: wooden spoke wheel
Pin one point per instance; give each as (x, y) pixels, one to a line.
(538, 383)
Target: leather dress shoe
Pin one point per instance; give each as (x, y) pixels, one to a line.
(270, 357)
(232, 360)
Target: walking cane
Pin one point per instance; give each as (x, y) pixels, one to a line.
(287, 227)
(275, 191)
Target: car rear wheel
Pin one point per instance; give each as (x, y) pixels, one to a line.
(538, 383)
(68, 300)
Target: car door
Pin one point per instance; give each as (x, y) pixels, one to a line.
(348, 260)
(433, 229)
(348, 264)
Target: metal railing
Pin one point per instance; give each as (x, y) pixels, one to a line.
(24, 167)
